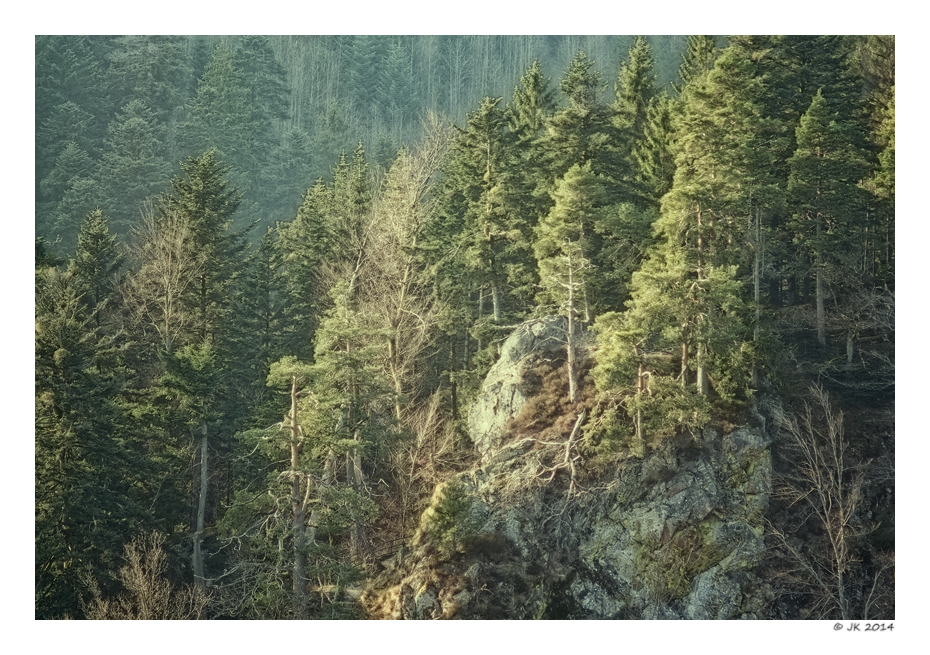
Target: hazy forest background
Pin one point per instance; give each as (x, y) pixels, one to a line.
(271, 273)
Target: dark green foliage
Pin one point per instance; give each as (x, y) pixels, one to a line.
(96, 264)
(697, 59)
(153, 70)
(131, 170)
(88, 475)
(203, 200)
(289, 173)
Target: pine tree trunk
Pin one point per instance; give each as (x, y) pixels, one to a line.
(757, 283)
(355, 478)
(638, 441)
(570, 340)
(821, 313)
(684, 365)
(702, 382)
(480, 312)
(201, 509)
(298, 527)
(572, 384)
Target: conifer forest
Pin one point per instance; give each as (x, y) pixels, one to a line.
(278, 280)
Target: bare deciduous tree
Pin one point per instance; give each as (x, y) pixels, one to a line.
(393, 287)
(148, 594)
(825, 482)
(167, 265)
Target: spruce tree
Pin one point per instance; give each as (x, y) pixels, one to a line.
(566, 232)
(96, 264)
(88, 474)
(154, 70)
(528, 113)
(221, 118)
(643, 121)
(828, 203)
(497, 244)
(696, 61)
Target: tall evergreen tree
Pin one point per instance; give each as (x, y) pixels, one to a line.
(583, 132)
(289, 173)
(827, 200)
(496, 238)
(697, 60)
(96, 264)
(87, 475)
(221, 118)
(642, 118)
(154, 70)
(203, 199)
(530, 109)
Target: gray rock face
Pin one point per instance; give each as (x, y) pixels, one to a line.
(676, 535)
(502, 395)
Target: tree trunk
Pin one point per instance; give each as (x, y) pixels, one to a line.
(684, 365)
(572, 384)
(639, 449)
(570, 336)
(298, 527)
(355, 478)
(702, 383)
(821, 313)
(201, 508)
(757, 283)
(480, 312)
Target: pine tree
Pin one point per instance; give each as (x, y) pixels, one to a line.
(567, 232)
(563, 251)
(496, 239)
(825, 195)
(203, 200)
(528, 113)
(396, 88)
(82, 196)
(305, 246)
(634, 89)
(72, 162)
(289, 173)
(581, 132)
(643, 120)
(532, 104)
(347, 349)
(154, 70)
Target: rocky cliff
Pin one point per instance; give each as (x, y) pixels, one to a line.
(537, 534)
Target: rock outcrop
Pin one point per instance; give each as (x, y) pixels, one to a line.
(503, 392)
(675, 535)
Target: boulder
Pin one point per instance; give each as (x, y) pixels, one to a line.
(502, 394)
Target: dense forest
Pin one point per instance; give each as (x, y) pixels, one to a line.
(271, 274)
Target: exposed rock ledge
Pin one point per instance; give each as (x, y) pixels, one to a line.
(676, 535)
